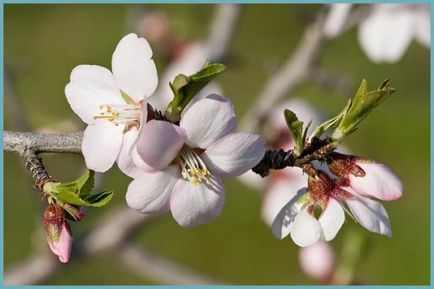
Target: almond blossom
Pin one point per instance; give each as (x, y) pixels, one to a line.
(387, 31)
(113, 103)
(318, 261)
(331, 197)
(181, 166)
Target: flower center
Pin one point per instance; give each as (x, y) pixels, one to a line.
(193, 168)
(128, 114)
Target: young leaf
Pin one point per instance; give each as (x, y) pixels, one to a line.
(295, 127)
(320, 129)
(100, 199)
(184, 88)
(363, 104)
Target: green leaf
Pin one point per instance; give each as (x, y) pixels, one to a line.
(363, 103)
(184, 88)
(295, 127)
(78, 192)
(100, 199)
(320, 129)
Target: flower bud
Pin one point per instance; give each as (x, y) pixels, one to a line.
(59, 235)
(318, 261)
(366, 177)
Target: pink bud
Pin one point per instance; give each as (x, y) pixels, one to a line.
(318, 261)
(59, 235)
(379, 182)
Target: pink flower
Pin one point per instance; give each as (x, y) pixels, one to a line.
(318, 261)
(317, 212)
(182, 166)
(113, 104)
(367, 178)
(59, 235)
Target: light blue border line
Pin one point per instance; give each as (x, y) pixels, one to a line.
(2, 152)
(204, 1)
(431, 144)
(210, 2)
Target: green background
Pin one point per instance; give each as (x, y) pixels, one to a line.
(44, 42)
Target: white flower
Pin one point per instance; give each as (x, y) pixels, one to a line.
(182, 166)
(113, 103)
(298, 217)
(387, 32)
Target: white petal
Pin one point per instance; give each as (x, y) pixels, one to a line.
(91, 86)
(370, 214)
(101, 145)
(285, 219)
(133, 68)
(423, 25)
(149, 193)
(281, 190)
(386, 33)
(331, 219)
(208, 120)
(336, 18)
(379, 182)
(234, 154)
(318, 261)
(125, 159)
(192, 205)
(306, 230)
(253, 180)
(159, 142)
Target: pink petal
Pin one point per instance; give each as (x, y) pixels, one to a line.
(386, 33)
(62, 248)
(379, 182)
(159, 142)
(423, 25)
(125, 160)
(192, 205)
(91, 86)
(133, 68)
(332, 219)
(306, 230)
(318, 261)
(101, 145)
(149, 193)
(208, 120)
(280, 192)
(370, 214)
(234, 154)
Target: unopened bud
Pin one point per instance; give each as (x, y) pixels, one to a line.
(318, 261)
(58, 232)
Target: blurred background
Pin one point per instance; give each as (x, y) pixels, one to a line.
(44, 42)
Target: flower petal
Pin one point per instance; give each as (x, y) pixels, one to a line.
(332, 219)
(234, 154)
(193, 205)
(101, 145)
(283, 224)
(159, 142)
(208, 120)
(423, 25)
(306, 230)
(149, 193)
(91, 86)
(370, 214)
(62, 248)
(379, 182)
(386, 33)
(280, 192)
(125, 159)
(133, 68)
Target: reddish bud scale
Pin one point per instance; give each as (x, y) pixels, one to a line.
(343, 165)
(54, 219)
